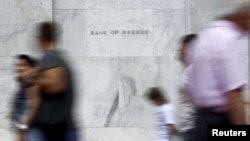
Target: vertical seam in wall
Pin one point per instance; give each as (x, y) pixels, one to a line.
(186, 16)
(53, 8)
(86, 33)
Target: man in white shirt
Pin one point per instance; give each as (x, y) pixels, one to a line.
(164, 116)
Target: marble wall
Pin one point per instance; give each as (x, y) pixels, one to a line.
(118, 49)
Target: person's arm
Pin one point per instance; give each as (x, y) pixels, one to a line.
(170, 120)
(231, 79)
(236, 109)
(172, 129)
(33, 103)
(21, 135)
(52, 81)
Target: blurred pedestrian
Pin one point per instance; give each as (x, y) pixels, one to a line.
(26, 101)
(217, 78)
(186, 110)
(165, 115)
(55, 80)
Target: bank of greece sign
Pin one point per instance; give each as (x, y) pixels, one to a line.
(119, 32)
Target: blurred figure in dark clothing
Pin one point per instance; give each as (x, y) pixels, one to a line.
(54, 116)
(26, 101)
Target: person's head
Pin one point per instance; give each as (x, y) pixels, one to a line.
(241, 17)
(24, 65)
(47, 32)
(156, 96)
(184, 45)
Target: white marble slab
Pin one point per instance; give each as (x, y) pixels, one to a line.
(137, 74)
(97, 82)
(86, 4)
(8, 89)
(119, 33)
(8, 40)
(16, 39)
(169, 26)
(8, 7)
(16, 12)
(73, 38)
(17, 19)
(119, 134)
(110, 90)
(30, 11)
(151, 4)
(7, 134)
(203, 11)
(200, 13)
(163, 39)
(215, 7)
(120, 4)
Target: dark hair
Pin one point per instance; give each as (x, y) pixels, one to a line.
(235, 13)
(30, 61)
(188, 38)
(242, 9)
(155, 93)
(48, 31)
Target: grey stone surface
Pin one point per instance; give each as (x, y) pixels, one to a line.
(111, 72)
